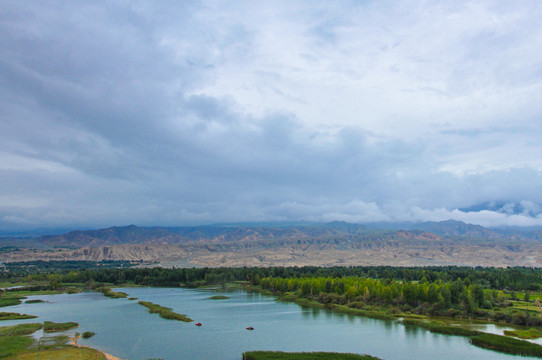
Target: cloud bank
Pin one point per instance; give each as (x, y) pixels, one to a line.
(180, 113)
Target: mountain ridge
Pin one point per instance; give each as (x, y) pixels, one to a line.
(322, 244)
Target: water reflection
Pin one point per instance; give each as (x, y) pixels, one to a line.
(310, 312)
(412, 330)
(388, 325)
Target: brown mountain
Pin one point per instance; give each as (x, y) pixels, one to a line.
(337, 243)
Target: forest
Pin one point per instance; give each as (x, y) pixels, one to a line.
(119, 272)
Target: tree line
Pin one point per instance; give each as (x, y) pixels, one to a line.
(517, 278)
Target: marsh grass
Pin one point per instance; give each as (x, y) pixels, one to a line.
(219, 297)
(12, 345)
(507, 345)
(164, 312)
(15, 316)
(50, 342)
(88, 334)
(112, 294)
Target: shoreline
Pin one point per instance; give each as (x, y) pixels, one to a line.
(73, 342)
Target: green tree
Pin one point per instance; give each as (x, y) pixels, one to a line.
(477, 294)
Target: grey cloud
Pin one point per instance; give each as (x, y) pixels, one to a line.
(109, 116)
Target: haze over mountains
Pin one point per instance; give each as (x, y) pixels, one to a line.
(336, 243)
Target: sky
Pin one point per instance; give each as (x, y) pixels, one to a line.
(194, 112)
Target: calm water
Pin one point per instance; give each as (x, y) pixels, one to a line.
(126, 329)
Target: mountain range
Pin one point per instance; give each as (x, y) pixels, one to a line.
(323, 244)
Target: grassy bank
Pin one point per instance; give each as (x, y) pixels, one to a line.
(164, 312)
(13, 339)
(21, 329)
(9, 301)
(219, 297)
(524, 334)
(49, 326)
(278, 355)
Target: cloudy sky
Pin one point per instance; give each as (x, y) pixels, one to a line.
(180, 112)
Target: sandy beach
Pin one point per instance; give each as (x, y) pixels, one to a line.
(73, 341)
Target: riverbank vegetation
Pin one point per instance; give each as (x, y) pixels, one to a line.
(481, 339)
(112, 294)
(279, 355)
(34, 301)
(459, 298)
(49, 326)
(164, 312)
(219, 297)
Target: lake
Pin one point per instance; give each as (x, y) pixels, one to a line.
(126, 329)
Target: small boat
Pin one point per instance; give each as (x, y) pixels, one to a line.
(250, 328)
(199, 324)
